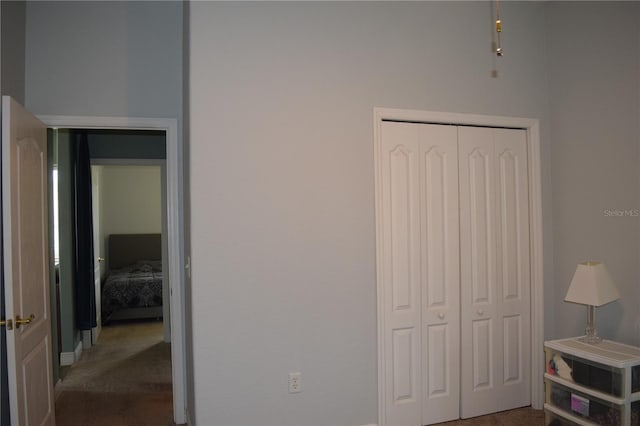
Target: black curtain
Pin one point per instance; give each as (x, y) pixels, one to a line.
(85, 289)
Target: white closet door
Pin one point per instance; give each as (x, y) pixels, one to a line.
(514, 285)
(440, 286)
(401, 272)
(421, 272)
(494, 250)
(480, 359)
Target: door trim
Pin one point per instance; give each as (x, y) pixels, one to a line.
(532, 128)
(174, 225)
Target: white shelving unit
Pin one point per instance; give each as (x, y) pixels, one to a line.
(592, 384)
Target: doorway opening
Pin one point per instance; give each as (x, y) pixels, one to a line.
(161, 166)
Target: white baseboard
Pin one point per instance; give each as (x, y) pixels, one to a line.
(68, 358)
(95, 333)
(86, 339)
(78, 352)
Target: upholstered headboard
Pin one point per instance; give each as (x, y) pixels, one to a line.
(125, 249)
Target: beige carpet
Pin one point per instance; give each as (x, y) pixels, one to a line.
(125, 379)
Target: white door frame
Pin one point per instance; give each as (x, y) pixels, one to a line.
(174, 225)
(532, 128)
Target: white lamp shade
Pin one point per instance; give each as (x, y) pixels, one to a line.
(592, 285)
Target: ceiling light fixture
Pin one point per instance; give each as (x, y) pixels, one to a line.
(499, 50)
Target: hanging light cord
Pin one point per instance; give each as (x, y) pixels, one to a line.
(499, 50)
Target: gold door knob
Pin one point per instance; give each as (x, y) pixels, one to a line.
(24, 321)
(8, 323)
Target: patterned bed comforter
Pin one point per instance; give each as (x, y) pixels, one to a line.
(134, 286)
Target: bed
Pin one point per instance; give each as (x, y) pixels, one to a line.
(132, 288)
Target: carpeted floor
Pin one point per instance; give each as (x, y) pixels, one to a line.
(125, 379)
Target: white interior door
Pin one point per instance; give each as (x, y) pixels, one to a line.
(26, 266)
(495, 287)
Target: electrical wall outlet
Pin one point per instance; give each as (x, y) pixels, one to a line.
(295, 382)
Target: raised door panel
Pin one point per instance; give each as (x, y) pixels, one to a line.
(401, 272)
(513, 366)
(37, 382)
(404, 364)
(440, 272)
(481, 211)
(31, 205)
(438, 364)
(400, 194)
(482, 355)
(513, 267)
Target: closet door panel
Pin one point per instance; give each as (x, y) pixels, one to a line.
(437, 360)
(480, 200)
(401, 196)
(401, 272)
(514, 266)
(512, 345)
(482, 354)
(440, 273)
(495, 269)
(479, 327)
(404, 361)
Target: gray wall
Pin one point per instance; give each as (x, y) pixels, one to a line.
(282, 183)
(595, 117)
(12, 39)
(129, 144)
(104, 58)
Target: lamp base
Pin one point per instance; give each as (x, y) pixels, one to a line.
(591, 336)
(592, 340)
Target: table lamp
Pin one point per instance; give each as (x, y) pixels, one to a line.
(592, 286)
